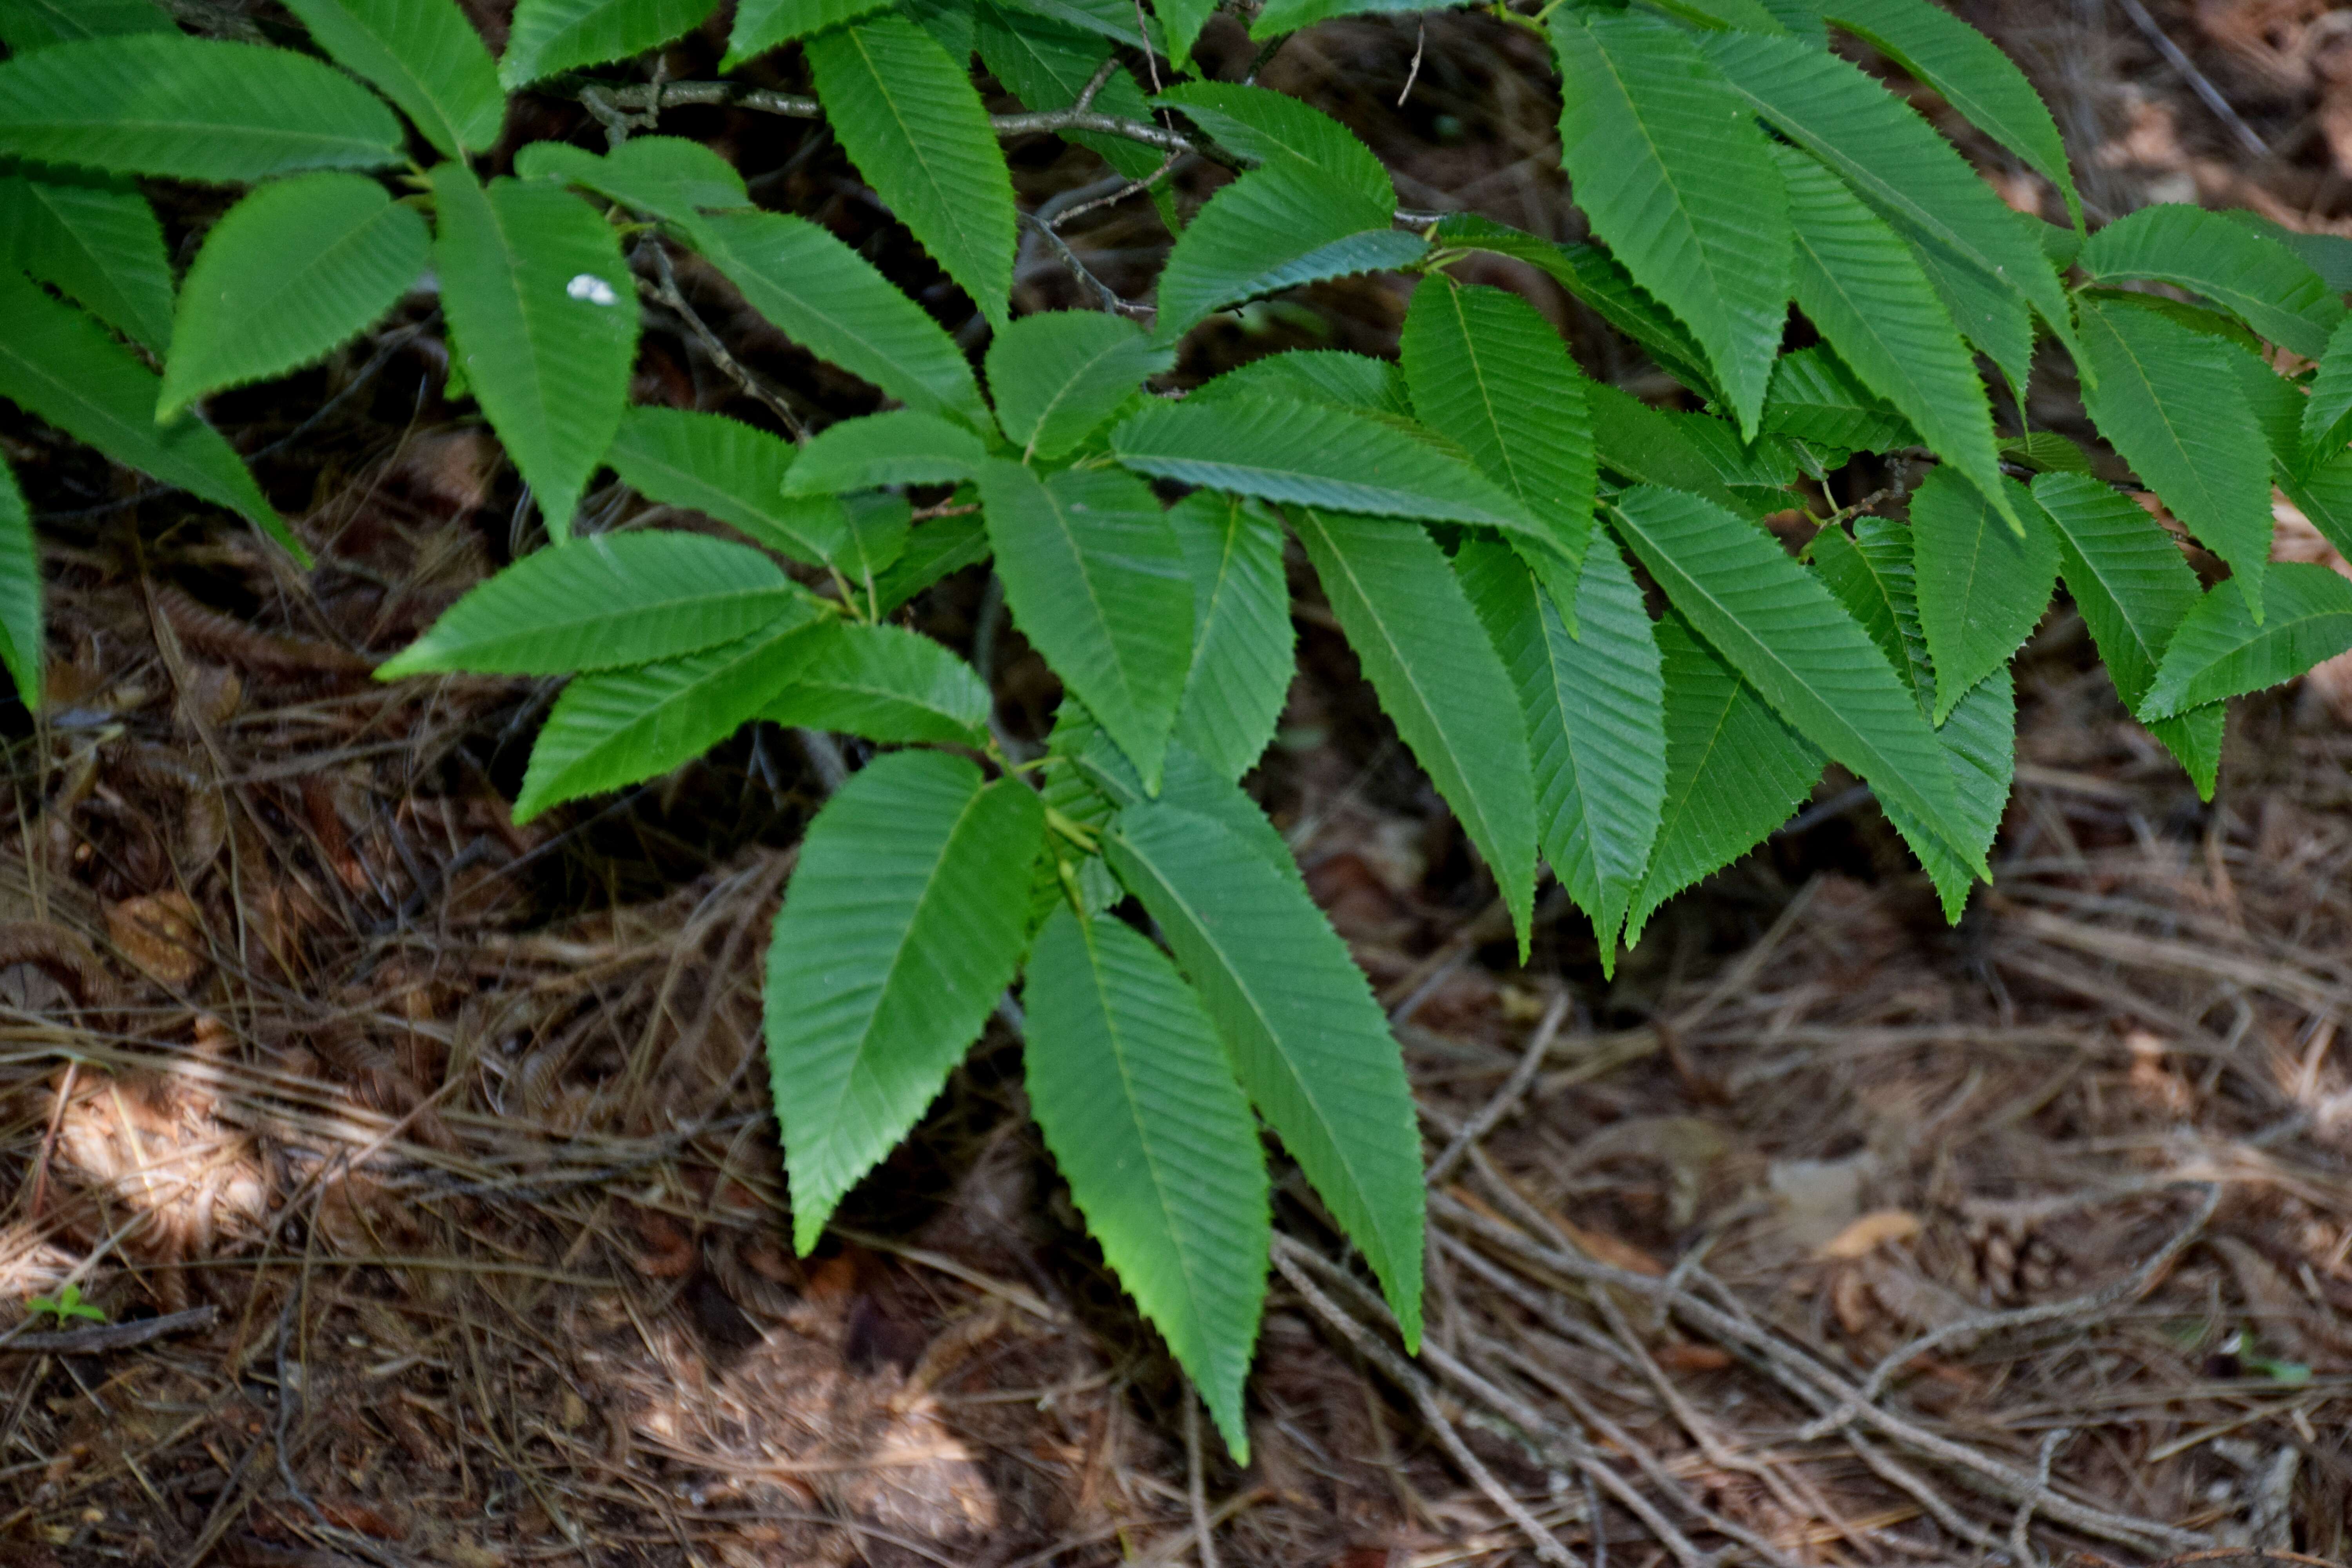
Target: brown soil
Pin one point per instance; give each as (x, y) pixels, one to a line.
(1819, 1234)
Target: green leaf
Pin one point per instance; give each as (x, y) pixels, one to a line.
(726, 469)
(37, 24)
(1893, 157)
(1046, 65)
(617, 727)
(286, 277)
(1870, 573)
(1970, 72)
(1817, 400)
(890, 685)
(2133, 588)
(425, 56)
(2046, 451)
(58, 364)
(1594, 275)
(1243, 654)
(1115, 20)
(1734, 773)
(1669, 166)
(2166, 398)
(900, 447)
(1779, 626)
(609, 600)
(1648, 446)
(2221, 651)
(545, 315)
(1312, 454)
(1279, 225)
(940, 547)
(552, 35)
(1439, 680)
(1593, 700)
(2327, 416)
(2260, 281)
(1264, 126)
(764, 25)
(911, 120)
(1131, 1086)
(1994, 317)
(1183, 20)
(1280, 16)
(663, 176)
(1058, 375)
(830, 299)
(1860, 285)
(95, 240)
(189, 108)
(875, 527)
(901, 929)
(1329, 376)
(21, 646)
(1490, 374)
(1310, 1045)
(1984, 584)
(1095, 580)
(2329, 254)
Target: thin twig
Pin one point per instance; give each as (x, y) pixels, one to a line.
(2197, 79)
(683, 94)
(1507, 1097)
(102, 1337)
(665, 289)
(2021, 1530)
(1194, 1491)
(1420, 43)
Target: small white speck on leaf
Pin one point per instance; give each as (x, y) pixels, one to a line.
(593, 289)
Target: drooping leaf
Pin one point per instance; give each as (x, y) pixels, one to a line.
(1046, 65)
(1893, 157)
(1594, 275)
(1984, 584)
(1132, 1088)
(911, 120)
(1279, 225)
(726, 469)
(1263, 126)
(1058, 375)
(95, 240)
(552, 35)
(189, 108)
(613, 599)
(1310, 1045)
(20, 594)
(1817, 400)
(2260, 281)
(58, 364)
(1594, 704)
(1313, 455)
(1242, 640)
(887, 684)
(901, 928)
(425, 56)
(2133, 588)
(617, 727)
(1095, 581)
(1779, 626)
(37, 24)
(287, 276)
(827, 297)
(664, 176)
(898, 447)
(1870, 573)
(2221, 651)
(1490, 374)
(2167, 398)
(1669, 163)
(1734, 773)
(937, 548)
(1440, 680)
(1860, 285)
(1970, 72)
(763, 25)
(1328, 376)
(1183, 21)
(2327, 416)
(1994, 317)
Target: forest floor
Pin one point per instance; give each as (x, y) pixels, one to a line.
(1821, 1233)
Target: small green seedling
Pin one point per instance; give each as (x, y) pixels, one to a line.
(65, 1306)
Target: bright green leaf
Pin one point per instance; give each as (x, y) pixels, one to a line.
(1984, 584)
(1131, 1086)
(2221, 651)
(20, 594)
(666, 176)
(425, 56)
(1669, 165)
(1058, 375)
(552, 35)
(875, 527)
(1263, 126)
(1994, 317)
(1441, 682)
(1650, 447)
(724, 468)
(2046, 451)
(1279, 225)
(887, 684)
(37, 24)
(1242, 641)
(2327, 416)
(287, 276)
(764, 25)
(545, 315)
(1095, 580)
(932, 551)
(900, 446)
(189, 108)
(95, 240)
(1046, 65)
(901, 930)
(1817, 400)
(1329, 376)
(2260, 281)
